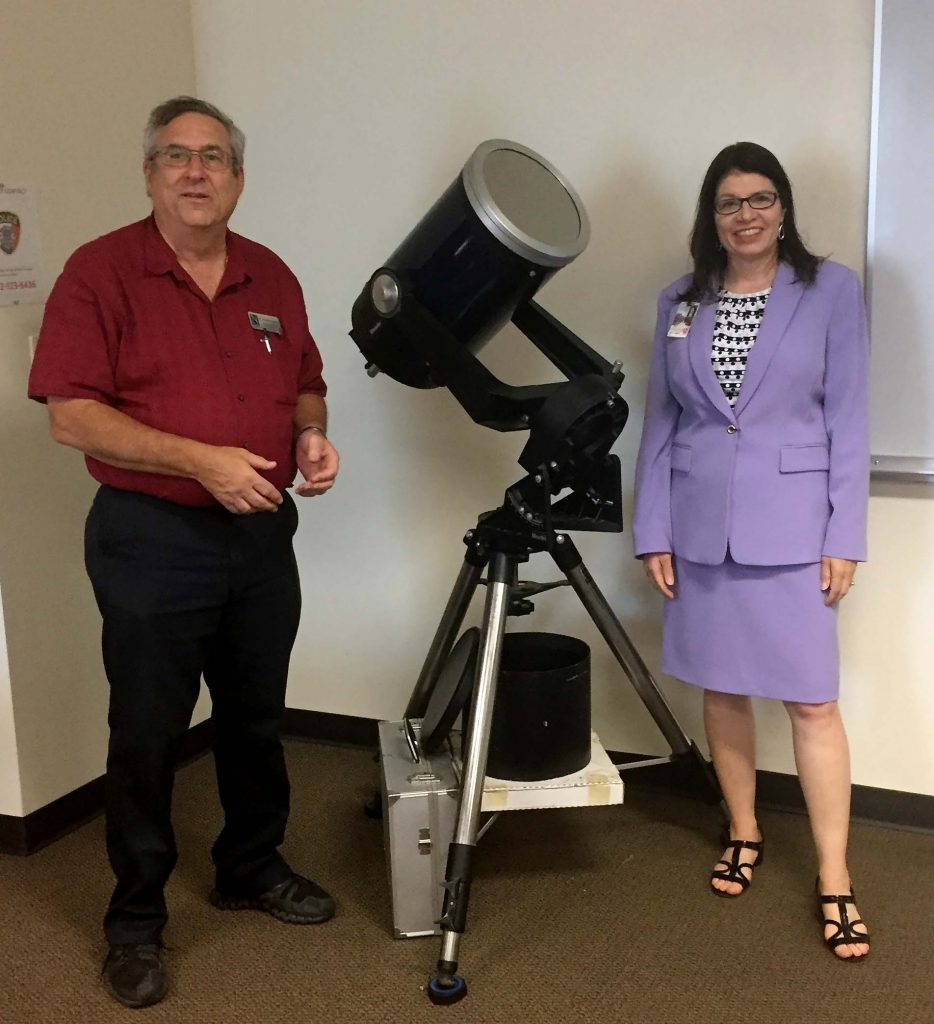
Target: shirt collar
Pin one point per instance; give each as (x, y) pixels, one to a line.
(160, 259)
(158, 254)
(237, 270)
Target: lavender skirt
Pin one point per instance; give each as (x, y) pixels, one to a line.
(748, 629)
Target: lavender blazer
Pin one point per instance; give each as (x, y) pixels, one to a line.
(783, 477)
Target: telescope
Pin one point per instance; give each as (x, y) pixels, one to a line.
(506, 224)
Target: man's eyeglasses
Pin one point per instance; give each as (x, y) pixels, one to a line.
(212, 158)
(726, 205)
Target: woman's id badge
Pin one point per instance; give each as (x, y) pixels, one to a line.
(681, 324)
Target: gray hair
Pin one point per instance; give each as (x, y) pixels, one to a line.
(173, 108)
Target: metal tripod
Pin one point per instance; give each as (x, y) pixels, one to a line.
(500, 551)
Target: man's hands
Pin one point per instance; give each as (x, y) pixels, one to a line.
(660, 570)
(105, 433)
(231, 476)
(318, 462)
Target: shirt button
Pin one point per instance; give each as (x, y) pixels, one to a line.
(241, 398)
(229, 355)
(730, 429)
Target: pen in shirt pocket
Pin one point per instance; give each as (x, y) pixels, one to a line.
(265, 323)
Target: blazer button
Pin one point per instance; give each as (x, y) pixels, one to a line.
(731, 429)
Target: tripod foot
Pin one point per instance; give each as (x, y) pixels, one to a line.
(445, 989)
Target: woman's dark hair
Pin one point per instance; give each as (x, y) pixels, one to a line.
(709, 257)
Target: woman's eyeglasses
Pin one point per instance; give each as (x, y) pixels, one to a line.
(726, 205)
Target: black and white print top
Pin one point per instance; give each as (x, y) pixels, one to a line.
(734, 333)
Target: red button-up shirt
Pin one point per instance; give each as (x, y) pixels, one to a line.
(127, 326)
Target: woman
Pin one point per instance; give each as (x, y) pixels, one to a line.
(751, 499)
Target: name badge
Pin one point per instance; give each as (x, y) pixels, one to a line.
(681, 325)
(264, 322)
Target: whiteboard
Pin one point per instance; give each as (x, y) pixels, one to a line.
(900, 241)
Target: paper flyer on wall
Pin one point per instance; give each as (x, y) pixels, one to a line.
(22, 280)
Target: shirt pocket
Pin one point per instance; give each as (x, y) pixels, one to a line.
(804, 458)
(681, 457)
(287, 355)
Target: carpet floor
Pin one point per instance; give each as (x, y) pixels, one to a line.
(585, 915)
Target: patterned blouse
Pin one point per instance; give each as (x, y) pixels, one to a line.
(735, 331)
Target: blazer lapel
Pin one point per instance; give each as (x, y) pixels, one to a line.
(783, 301)
(700, 342)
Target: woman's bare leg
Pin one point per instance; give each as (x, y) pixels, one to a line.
(822, 757)
(731, 735)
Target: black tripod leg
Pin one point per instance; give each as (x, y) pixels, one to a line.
(447, 986)
(569, 561)
(451, 621)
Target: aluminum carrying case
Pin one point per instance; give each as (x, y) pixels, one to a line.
(419, 813)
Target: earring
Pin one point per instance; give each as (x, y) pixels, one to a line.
(781, 232)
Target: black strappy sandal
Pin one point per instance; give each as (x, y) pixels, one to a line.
(845, 933)
(733, 870)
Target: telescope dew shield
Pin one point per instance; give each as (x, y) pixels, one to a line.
(501, 229)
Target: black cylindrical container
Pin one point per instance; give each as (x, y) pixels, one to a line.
(500, 230)
(541, 721)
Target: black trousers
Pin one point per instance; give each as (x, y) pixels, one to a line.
(185, 592)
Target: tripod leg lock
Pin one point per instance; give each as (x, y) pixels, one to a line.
(457, 887)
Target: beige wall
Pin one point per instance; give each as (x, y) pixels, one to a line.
(364, 114)
(77, 81)
(358, 115)
(11, 797)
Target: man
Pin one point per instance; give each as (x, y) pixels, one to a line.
(176, 355)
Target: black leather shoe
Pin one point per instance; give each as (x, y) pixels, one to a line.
(136, 975)
(297, 900)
